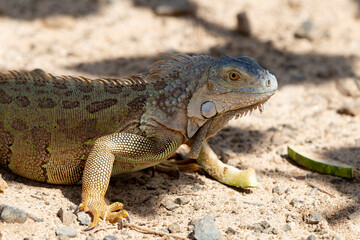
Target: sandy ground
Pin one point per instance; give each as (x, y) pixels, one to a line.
(117, 38)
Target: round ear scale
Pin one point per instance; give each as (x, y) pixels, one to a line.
(208, 109)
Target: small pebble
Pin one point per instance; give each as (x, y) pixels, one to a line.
(254, 203)
(281, 150)
(288, 190)
(265, 224)
(277, 189)
(355, 217)
(90, 237)
(66, 231)
(311, 237)
(294, 202)
(275, 231)
(174, 228)
(169, 205)
(197, 206)
(65, 216)
(352, 108)
(349, 87)
(83, 218)
(287, 227)
(310, 175)
(243, 24)
(257, 227)
(63, 237)
(206, 229)
(10, 214)
(313, 191)
(173, 7)
(196, 188)
(227, 154)
(182, 200)
(314, 218)
(109, 237)
(337, 237)
(306, 30)
(276, 200)
(230, 230)
(267, 230)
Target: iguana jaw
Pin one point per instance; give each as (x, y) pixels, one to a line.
(211, 126)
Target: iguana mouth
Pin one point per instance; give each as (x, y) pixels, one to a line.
(250, 109)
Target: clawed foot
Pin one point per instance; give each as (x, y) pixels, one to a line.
(112, 213)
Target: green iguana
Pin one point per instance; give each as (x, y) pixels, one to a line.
(67, 130)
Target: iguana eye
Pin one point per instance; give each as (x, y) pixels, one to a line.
(234, 76)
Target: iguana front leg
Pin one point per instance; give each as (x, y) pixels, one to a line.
(224, 173)
(130, 148)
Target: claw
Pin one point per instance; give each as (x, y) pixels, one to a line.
(81, 206)
(121, 224)
(128, 218)
(89, 228)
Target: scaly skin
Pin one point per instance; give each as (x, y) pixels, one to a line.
(65, 129)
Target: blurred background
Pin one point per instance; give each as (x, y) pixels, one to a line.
(312, 47)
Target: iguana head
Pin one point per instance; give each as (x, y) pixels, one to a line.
(232, 87)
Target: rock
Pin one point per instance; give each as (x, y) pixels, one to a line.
(206, 229)
(306, 30)
(12, 215)
(278, 139)
(197, 206)
(348, 87)
(277, 189)
(310, 175)
(311, 237)
(182, 200)
(230, 230)
(289, 218)
(196, 188)
(36, 219)
(276, 200)
(281, 150)
(312, 192)
(73, 207)
(254, 203)
(227, 154)
(83, 218)
(63, 237)
(169, 205)
(173, 7)
(294, 202)
(288, 190)
(65, 216)
(355, 217)
(3, 185)
(337, 237)
(351, 109)
(287, 227)
(257, 227)
(265, 224)
(243, 24)
(90, 237)
(66, 231)
(174, 228)
(275, 231)
(314, 218)
(109, 237)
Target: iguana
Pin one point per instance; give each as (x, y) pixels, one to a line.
(67, 130)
